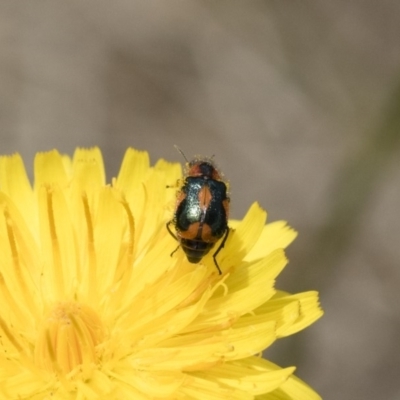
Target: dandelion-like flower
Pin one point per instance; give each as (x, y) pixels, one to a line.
(94, 307)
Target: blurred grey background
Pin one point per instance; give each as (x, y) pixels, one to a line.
(299, 101)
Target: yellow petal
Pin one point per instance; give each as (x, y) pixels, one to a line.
(155, 384)
(243, 237)
(265, 269)
(108, 217)
(23, 385)
(292, 389)
(20, 257)
(246, 289)
(180, 357)
(60, 260)
(308, 308)
(205, 389)
(133, 171)
(173, 321)
(88, 171)
(49, 170)
(249, 336)
(284, 315)
(276, 235)
(15, 183)
(161, 298)
(248, 376)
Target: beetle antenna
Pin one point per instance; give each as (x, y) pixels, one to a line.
(180, 151)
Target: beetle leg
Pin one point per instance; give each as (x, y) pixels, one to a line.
(174, 251)
(173, 235)
(170, 232)
(221, 246)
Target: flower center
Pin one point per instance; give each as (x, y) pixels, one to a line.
(69, 337)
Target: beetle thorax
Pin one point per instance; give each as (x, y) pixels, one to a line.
(204, 169)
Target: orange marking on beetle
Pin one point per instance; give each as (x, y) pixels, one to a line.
(205, 197)
(206, 234)
(193, 232)
(225, 204)
(180, 196)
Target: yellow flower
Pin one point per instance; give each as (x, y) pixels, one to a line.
(94, 307)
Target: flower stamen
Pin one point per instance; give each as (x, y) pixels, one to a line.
(69, 337)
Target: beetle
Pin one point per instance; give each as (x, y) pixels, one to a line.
(202, 209)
